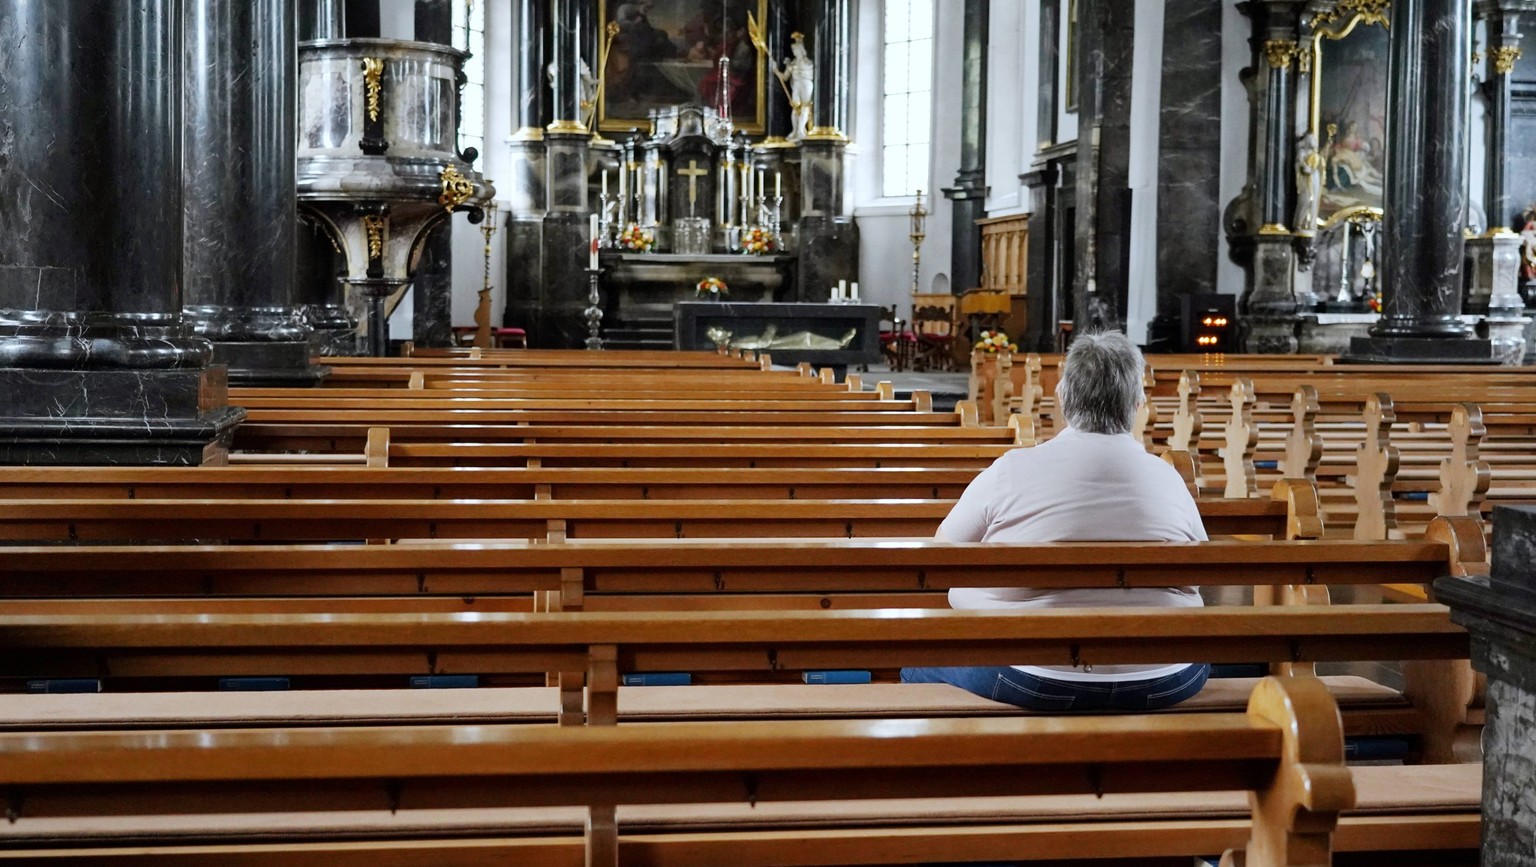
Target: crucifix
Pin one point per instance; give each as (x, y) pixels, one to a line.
(693, 173)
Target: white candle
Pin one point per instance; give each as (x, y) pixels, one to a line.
(760, 188)
(592, 250)
(777, 178)
(855, 293)
(605, 184)
(842, 290)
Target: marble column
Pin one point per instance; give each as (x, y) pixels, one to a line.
(829, 25)
(432, 291)
(526, 193)
(1425, 199)
(1107, 42)
(239, 200)
(1042, 266)
(559, 322)
(322, 19)
(828, 238)
(1495, 256)
(1500, 613)
(776, 114)
(1189, 153)
(969, 193)
(96, 365)
(1269, 306)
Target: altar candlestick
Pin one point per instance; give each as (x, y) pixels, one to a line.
(605, 183)
(854, 293)
(592, 249)
(778, 177)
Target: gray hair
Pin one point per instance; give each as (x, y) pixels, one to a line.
(1100, 386)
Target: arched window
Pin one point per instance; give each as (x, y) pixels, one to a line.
(906, 96)
(469, 35)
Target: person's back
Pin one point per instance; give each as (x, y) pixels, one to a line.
(1093, 482)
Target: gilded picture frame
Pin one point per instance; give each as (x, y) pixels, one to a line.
(1347, 106)
(666, 52)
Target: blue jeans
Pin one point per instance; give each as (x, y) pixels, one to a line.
(1031, 692)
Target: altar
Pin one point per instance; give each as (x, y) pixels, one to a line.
(835, 335)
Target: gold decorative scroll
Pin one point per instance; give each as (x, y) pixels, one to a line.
(456, 188)
(1369, 12)
(1504, 58)
(373, 85)
(373, 224)
(1280, 52)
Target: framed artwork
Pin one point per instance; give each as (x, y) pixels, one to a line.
(1348, 114)
(666, 52)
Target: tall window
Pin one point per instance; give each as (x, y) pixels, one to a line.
(906, 103)
(469, 35)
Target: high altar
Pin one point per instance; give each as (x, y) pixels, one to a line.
(690, 139)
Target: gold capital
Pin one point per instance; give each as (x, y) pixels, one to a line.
(1280, 52)
(1504, 58)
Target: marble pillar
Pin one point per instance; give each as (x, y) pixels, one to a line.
(829, 25)
(558, 319)
(434, 21)
(320, 293)
(828, 238)
(1425, 196)
(1042, 266)
(1269, 306)
(969, 194)
(1189, 153)
(1500, 613)
(96, 365)
(526, 195)
(322, 19)
(776, 113)
(432, 291)
(1494, 257)
(1107, 42)
(239, 197)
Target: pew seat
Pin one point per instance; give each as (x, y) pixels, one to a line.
(1424, 808)
(1370, 707)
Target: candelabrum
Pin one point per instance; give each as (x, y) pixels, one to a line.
(775, 218)
(594, 311)
(919, 216)
(483, 309)
(607, 221)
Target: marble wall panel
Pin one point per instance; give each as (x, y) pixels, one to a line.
(1189, 152)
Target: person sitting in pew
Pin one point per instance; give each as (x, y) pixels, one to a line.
(1093, 482)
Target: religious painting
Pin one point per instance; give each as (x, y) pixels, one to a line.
(1348, 116)
(667, 52)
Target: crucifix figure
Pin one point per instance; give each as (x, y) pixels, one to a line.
(693, 173)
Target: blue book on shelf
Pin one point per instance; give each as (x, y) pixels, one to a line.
(445, 681)
(252, 684)
(1376, 748)
(62, 686)
(837, 676)
(657, 678)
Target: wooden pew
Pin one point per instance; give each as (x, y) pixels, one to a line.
(1287, 750)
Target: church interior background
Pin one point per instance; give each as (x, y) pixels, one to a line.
(1124, 184)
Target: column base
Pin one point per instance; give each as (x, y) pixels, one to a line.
(829, 252)
(1418, 350)
(269, 364)
(115, 417)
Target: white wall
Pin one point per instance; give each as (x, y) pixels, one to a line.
(885, 253)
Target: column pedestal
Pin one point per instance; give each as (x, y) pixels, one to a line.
(829, 241)
(1500, 613)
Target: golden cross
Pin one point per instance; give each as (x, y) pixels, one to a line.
(693, 173)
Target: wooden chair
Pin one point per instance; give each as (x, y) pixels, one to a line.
(934, 332)
(895, 341)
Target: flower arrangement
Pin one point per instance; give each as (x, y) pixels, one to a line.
(995, 341)
(1374, 303)
(712, 288)
(756, 242)
(636, 239)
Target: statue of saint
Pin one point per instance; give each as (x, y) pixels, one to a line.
(798, 75)
(1309, 184)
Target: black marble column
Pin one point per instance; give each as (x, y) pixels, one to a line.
(1504, 37)
(526, 193)
(1049, 49)
(1107, 41)
(1425, 199)
(1269, 306)
(434, 21)
(829, 26)
(566, 28)
(240, 201)
(1042, 267)
(96, 365)
(322, 19)
(1500, 613)
(776, 114)
(320, 294)
(969, 193)
(558, 320)
(1189, 153)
